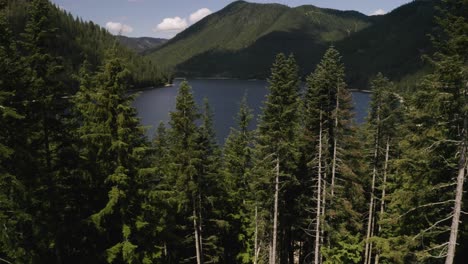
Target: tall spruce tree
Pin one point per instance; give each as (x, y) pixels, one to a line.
(330, 152)
(114, 144)
(49, 134)
(184, 179)
(154, 222)
(428, 197)
(13, 217)
(211, 197)
(237, 162)
(276, 153)
(385, 116)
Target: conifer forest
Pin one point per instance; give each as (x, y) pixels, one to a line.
(81, 182)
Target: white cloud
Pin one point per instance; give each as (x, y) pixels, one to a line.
(199, 15)
(176, 24)
(378, 12)
(172, 24)
(117, 28)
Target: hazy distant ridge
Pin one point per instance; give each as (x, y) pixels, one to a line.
(140, 45)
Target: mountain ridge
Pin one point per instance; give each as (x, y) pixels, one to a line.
(141, 44)
(240, 40)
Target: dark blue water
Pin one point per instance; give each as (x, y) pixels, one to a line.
(224, 97)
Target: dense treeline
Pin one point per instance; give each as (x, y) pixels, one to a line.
(74, 40)
(80, 183)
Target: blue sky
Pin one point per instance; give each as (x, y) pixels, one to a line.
(165, 18)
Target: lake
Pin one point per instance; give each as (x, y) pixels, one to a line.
(224, 96)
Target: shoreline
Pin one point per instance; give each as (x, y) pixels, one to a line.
(222, 79)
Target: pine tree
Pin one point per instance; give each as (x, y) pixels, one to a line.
(13, 216)
(330, 154)
(427, 198)
(154, 223)
(49, 134)
(183, 178)
(384, 118)
(210, 194)
(237, 162)
(276, 155)
(114, 144)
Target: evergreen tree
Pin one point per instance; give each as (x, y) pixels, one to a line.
(211, 197)
(114, 145)
(184, 180)
(427, 202)
(48, 126)
(385, 116)
(276, 153)
(330, 152)
(154, 223)
(13, 217)
(237, 162)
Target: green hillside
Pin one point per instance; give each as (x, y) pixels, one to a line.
(240, 25)
(241, 40)
(140, 45)
(76, 40)
(394, 44)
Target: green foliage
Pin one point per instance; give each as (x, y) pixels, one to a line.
(348, 249)
(276, 153)
(75, 40)
(114, 144)
(420, 209)
(237, 162)
(328, 128)
(80, 183)
(12, 213)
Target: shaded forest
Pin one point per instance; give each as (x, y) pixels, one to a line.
(80, 182)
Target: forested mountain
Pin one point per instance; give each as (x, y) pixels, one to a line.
(81, 183)
(240, 40)
(141, 45)
(75, 40)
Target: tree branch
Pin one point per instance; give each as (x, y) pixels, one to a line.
(425, 205)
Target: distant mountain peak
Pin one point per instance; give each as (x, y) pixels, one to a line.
(241, 40)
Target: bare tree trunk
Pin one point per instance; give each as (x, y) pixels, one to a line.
(371, 204)
(275, 213)
(256, 249)
(271, 252)
(384, 184)
(319, 198)
(370, 217)
(458, 203)
(371, 245)
(200, 225)
(324, 206)
(196, 231)
(324, 197)
(452, 244)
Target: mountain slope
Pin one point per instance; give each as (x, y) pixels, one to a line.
(76, 40)
(393, 45)
(242, 39)
(240, 25)
(140, 45)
